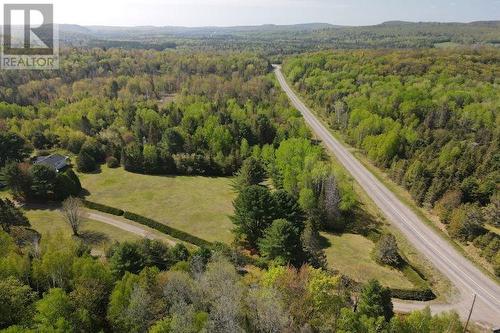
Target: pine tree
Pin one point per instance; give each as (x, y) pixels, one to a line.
(11, 216)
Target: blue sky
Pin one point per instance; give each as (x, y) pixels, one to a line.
(252, 12)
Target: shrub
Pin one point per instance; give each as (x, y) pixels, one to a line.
(195, 164)
(85, 162)
(178, 253)
(181, 235)
(386, 251)
(103, 208)
(93, 149)
(184, 236)
(112, 162)
(413, 295)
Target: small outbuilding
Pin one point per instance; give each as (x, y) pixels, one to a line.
(56, 161)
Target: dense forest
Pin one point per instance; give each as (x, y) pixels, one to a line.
(174, 113)
(277, 40)
(119, 105)
(429, 117)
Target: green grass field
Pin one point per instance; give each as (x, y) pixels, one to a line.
(198, 205)
(98, 235)
(351, 255)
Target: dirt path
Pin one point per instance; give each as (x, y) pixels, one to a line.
(126, 225)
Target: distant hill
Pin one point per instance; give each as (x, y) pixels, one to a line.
(184, 31)
(280, 39)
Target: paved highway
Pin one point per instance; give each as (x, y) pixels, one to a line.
(463, 274)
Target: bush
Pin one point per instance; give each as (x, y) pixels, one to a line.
(103, 208)
(413, 295)
(112, 162)
(181, 235)
(85, 162)
(93, 149)
(178, 253)
(386, 251)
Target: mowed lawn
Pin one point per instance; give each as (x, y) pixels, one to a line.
(351, 255)
(97, 234)
(198, 205)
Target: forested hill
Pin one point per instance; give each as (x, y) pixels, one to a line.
(276, 39)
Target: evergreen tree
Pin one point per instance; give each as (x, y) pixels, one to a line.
(288, 208)
(132, 159)
(375, 301)
(126, 257)
(85, 162)
(311, 243)
(11, 216)
(253, 213)
(281, 243)
(250, 173)
(43, 181)
(18, 179)
(12, 148)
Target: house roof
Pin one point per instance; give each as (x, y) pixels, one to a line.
(56, 161)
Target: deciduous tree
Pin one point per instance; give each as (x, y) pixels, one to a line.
(72, 211)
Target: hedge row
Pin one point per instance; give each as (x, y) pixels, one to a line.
(413, 295)
(420, 294)
(103, 208)
(176, 233)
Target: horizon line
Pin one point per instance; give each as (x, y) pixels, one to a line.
(274, 24)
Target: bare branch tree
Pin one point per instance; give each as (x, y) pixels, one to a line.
(332, 199)
(73, 213)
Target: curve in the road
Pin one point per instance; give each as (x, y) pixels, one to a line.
(465, 276)
(126, 226)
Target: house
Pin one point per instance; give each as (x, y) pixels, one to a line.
(56, 161)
